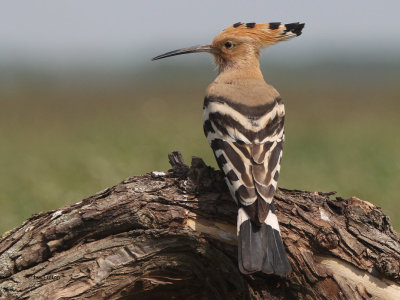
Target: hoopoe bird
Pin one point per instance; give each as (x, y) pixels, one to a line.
(243, 121)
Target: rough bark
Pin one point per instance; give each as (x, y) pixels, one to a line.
(172, 236)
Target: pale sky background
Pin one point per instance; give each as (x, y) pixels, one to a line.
(98, 30)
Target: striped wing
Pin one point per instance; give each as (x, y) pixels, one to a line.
(247, 143)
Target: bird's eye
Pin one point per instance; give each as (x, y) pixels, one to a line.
(228, 45)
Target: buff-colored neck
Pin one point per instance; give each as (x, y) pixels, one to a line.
(248, 68)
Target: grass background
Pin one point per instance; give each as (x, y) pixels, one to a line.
(68, 134)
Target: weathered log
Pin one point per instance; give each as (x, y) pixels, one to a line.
(173, 236)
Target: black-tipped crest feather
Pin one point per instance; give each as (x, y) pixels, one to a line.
(295, 28)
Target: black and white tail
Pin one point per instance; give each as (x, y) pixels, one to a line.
(260, 248)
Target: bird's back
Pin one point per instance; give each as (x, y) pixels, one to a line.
(252, 92)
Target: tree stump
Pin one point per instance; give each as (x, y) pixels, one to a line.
(173, 236)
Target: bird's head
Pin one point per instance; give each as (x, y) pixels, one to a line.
(239, 45)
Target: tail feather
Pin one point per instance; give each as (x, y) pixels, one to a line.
(260, 248)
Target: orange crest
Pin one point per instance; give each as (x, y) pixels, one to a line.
(264, 34)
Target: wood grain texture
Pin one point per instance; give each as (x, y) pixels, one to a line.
(173, 236)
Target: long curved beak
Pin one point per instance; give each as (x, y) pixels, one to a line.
(194, 49)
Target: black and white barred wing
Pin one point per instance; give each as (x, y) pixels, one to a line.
(248, 143)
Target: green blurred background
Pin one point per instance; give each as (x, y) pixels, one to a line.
(70, 127)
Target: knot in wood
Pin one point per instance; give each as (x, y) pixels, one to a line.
(388, 266)
(326, 238)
